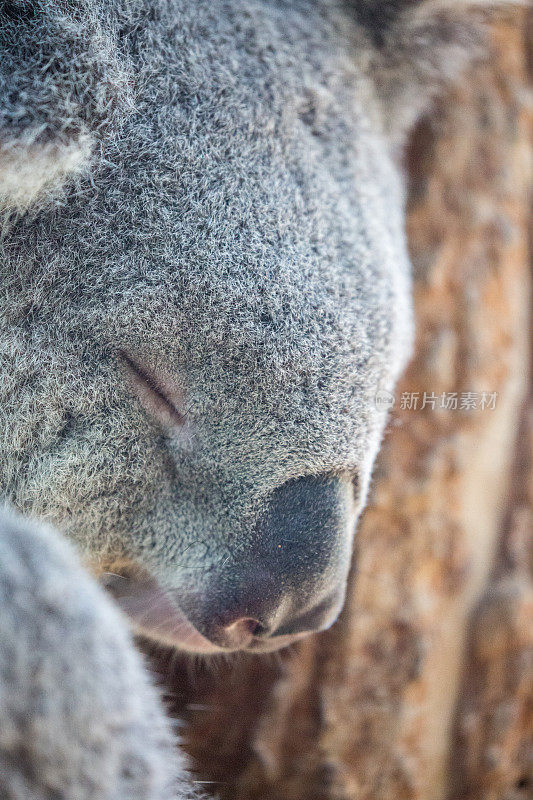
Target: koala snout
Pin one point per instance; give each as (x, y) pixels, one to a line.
(285, 579)
(263, 627)
(289, 579)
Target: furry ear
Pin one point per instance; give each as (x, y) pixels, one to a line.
(418, 46)
(61, 83)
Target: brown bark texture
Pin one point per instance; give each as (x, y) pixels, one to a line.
(423, 689)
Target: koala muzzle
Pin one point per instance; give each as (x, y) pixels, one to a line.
(286, 579)
(289, 578)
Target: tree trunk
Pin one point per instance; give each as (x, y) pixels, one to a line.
(423, 689)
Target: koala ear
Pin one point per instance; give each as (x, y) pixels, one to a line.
(61, 86)
(419, 46)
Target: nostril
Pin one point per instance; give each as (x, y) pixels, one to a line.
(243, 630)
(256, 628)
(246, 625)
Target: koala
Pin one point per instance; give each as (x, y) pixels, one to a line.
(79, 717)
(204, 283)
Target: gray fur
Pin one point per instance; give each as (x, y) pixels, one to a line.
(210, 188)
(243, 234)
(79, 719)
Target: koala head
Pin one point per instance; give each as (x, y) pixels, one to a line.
(203, 285)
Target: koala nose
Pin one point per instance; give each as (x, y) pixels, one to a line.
(234, 631)
(289, 577)
(239, 633)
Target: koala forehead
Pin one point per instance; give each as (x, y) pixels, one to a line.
(242, 232)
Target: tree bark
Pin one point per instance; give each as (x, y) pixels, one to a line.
(423, 689)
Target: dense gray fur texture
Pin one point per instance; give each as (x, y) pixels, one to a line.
(79, 719)
(243, 233)
(209, 188)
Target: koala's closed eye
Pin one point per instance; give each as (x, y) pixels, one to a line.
(160, 397)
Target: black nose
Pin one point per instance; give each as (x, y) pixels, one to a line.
(289, 577)
(261, 618)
